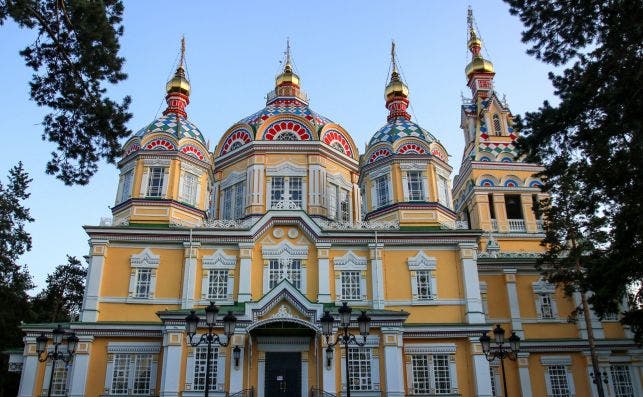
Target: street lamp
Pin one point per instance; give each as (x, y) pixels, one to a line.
(191, 325)
(343, 336)
(500, 351)
(58, 334)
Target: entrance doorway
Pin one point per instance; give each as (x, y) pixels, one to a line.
(283, 374)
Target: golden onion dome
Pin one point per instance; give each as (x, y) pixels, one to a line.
(396, 87)
(287, 76)
(178, 83)
(478, 65)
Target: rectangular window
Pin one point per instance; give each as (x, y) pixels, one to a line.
(143, 283)
(200, 363)
(59, 381)
(289, 269)
(421, 374)
(492, 211)
(431, 374)
(218, 285)
(277, 190)
(189, 187)
(443, 191)
(423, 278)
(381, 191)
(359, 364)
(441, 374)
(131, 374)
(338, 203)
(234, 199)
(513, 206)
(344, 206)
(558, 386)
(546, 308)
(351, 285)
(621, 381)
(295, 190)
(415, 186)
(155, 182)
(127, 185)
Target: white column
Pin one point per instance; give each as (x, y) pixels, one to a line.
(189, 274)
(29, 368)
(324, 277)
(393, 362)
(261, 374)
(98, 250)
(512, 297)
(304, 373)
(480, 369)
(80, 367)
(523, 373)
(377, 275)
(236, 371)
(468, 254)
(328, 372)
(172, 359)
(245, 267)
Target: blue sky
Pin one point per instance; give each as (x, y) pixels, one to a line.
(340, 50)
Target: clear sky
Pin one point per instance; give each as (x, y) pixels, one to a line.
(340, 50)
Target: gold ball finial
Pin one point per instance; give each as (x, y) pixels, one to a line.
(396, 86)
(287, 76)
(179, 83)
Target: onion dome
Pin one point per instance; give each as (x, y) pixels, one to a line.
(478, 64)
(174, 120)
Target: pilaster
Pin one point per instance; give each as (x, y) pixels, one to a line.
(523, 374)
(98, 252)
(480, 369)
(324, 276)
(528, 213)
(236, 371)
(173, 337)
(29, 368)
(189, 274)
(261, 373)
(501, 212)
(245, 267)
(328, 372)
(514, 306)
(377, 276)
(393, 362)
(80, 367)
(304, 373)
(468, 260)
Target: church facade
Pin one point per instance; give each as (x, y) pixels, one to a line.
(284, 220)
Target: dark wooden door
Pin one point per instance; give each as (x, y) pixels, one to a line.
(283, 374)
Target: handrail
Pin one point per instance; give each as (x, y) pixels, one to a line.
(317, 392)
(244, 393)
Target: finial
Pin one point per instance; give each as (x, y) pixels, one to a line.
(393, 56)
(182, 60)
(287, 62)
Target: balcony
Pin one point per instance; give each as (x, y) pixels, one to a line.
(517, 226)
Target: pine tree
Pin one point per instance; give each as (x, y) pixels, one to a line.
(74, 58)
(62, 298)
(590, 145)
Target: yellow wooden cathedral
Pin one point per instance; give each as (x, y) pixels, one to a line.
(284, 221)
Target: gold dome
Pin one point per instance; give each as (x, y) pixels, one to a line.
(287, 77)
(178, 83)
(478, 65)
(396, 87)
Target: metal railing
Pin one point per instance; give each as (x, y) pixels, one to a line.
(243, 393)
(317, 392)
(517, 225)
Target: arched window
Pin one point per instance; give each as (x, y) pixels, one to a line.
(287, 136)
(497, 129)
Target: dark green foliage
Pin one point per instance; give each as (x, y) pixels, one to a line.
(590, 144)
(74, 57)
(61, 300)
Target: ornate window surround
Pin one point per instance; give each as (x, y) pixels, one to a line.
(284, 250)
(373, 175)
(566, 362)
(372, 343)
(187, 168)
(113, 348)
(155, 162)
(415, 166)
(430, 349)
(542, 287)
(189, 373)
(129, 167)
(421, 261)
(219, 260)
(146, 259)
(350, 262)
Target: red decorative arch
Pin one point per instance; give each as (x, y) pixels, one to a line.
(332, 136)
(160, 144)
(439, 154)
(299, 129)
(134, 147)
(411, 148)
(192, 151)
(235, 139)
(379, 153)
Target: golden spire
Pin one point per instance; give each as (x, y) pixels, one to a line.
(478, 64)
(179, 83)
(287, 76)
(395, 87)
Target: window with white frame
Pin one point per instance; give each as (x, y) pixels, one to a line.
(546, 307)
(443, 191)
(284, 261)
(285, 268)
(558, 377)
(189, 187)
(143, 274)
(131, 374)
(350, 277)
(339, 203)
(494, 374)
(218, 280)
(359, 364)
(59, 380)
(200, 365)
(415, 185)
(431, 369)
(286, 188)
(126, 185)
(424, 286)
(155, 184)
(234, 201)
(382, 197)
(621, 380)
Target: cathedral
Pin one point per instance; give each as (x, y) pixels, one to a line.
(285, 224)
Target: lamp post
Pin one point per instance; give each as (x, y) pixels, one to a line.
(343, 336)
(191, 325)
(499, 350)
(58, 334)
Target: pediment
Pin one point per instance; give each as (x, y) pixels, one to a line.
(284, 301)
(145, 258)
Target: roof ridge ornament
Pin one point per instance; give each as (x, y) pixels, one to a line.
(178, 88)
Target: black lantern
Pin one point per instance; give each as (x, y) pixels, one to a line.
(499, 349)
(72, 343)
(229, 324)
(211, 314)
(514, 342)
(485, 341)
(236, 355)
(41, 343)
(329, 356)
(345, 315)
(191, 323)
(57, 337)
(364, 322)
(499, 334)
(327, 322)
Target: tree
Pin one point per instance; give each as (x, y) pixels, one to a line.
(74, 57)
(61, 300)
(590, 144)
(15, 280)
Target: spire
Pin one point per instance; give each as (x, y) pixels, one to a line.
(478, 64)
(178, 88)
(396, 92)
(287, 77)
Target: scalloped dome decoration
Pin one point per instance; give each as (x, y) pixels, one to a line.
(411, 148)
(285, 106)
(399, 128)
(378, 154)
(160, 144)
(439, 153)
(337, 141)
(192, 151)
(176, 125)
(287, 130)
(134, 147)
(235, 140)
